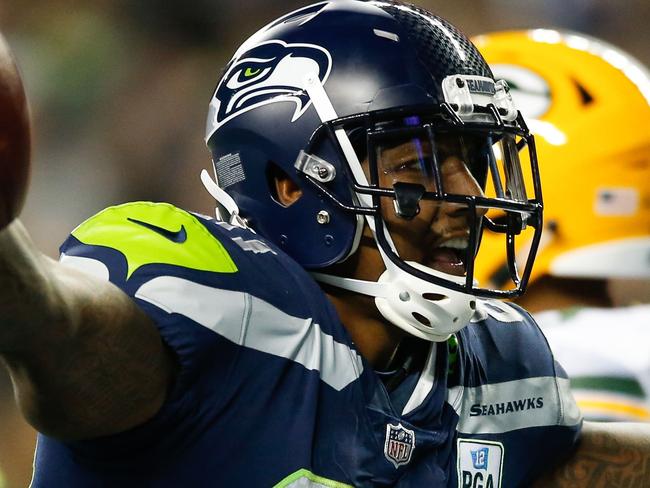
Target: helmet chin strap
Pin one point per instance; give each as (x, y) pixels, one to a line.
(423, 309)
(226, 209)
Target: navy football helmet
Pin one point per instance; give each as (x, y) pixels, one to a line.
(320, 95)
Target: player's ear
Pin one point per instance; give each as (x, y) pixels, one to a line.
(286, 190)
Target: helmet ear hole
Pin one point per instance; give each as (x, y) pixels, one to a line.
(282, 188)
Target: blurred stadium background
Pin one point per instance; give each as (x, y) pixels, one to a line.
(119, 92)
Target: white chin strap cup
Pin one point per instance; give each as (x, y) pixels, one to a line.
(425, 310)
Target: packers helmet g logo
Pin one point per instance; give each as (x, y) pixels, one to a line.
(271, 72)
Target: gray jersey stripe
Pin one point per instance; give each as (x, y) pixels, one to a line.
(86, 265)
(254, 323)
(503, 407)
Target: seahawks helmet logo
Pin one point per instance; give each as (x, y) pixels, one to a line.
(271, 72)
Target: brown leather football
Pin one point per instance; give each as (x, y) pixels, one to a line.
(14, 138)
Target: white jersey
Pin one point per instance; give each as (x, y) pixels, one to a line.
(606, 353)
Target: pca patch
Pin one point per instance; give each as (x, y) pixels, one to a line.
(399, 444)
(480, 464)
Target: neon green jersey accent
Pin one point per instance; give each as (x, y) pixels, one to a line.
(156, 233)
(312, 481)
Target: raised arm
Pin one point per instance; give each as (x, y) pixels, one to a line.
(84, 359)
(609, 454)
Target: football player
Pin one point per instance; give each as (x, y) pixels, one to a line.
(354, 140)
(572, 89)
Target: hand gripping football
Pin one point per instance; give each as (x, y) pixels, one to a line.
(14, 138)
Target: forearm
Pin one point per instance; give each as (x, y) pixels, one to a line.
(27, 300)
(609, 455)
(85, 360)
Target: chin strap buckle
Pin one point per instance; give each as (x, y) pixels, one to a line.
(226, 209)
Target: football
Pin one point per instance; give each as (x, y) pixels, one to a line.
(14, 138)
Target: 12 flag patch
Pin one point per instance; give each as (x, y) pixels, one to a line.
(480, 464)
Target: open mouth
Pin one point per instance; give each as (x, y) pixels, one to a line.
(449, 257)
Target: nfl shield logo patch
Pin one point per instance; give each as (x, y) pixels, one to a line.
(399, 444)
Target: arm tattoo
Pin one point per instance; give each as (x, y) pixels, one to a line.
(610, 455)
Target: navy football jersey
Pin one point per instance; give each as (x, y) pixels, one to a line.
(272, 392)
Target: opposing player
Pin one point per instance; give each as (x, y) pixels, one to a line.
(171, 349)
(573, 91)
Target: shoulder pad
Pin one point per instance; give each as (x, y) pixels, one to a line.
(498, 310)
(156, 233)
